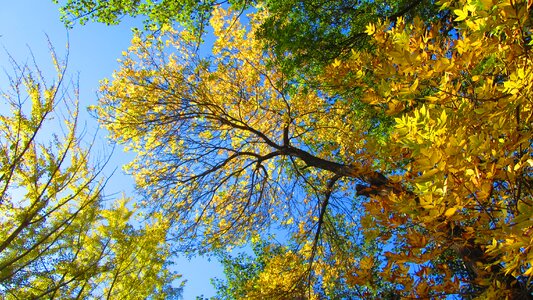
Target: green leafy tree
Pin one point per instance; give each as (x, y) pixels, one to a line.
(314, 32)
(194, 15)
(239, 271)
(311, 34)
(59, 237)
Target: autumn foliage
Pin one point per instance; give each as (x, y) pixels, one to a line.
(397, 163)
(403, 168)
(59, 235)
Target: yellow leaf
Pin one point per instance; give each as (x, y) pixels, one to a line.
(366, 263)
(450, 211)
(461, 14)
(443, 116)
(414, 86)
(428, 175)
(423, 110)
(370, 29)
(529, 272)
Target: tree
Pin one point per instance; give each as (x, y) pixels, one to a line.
(281, 271)
(464, 183)
(59, 236)
(335, 27)
(422, 141)
(293, 26)
(243, 270)
(192, 14)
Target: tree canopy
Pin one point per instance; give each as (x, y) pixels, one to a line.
(292, 26)
(364, 149)
(421, 142)
(59, 236)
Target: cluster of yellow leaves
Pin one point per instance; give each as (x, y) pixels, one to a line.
(136, 258)
(463, 110)
(56, 238)
(199, 125)
(165, 92)
(284, 276)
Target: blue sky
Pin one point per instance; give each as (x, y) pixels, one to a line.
(93, 54)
